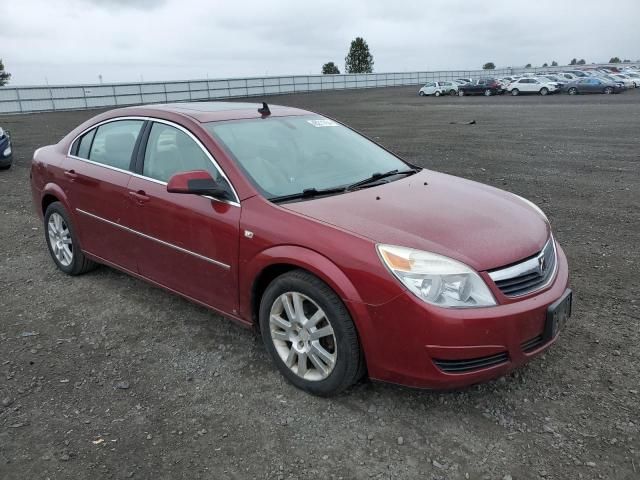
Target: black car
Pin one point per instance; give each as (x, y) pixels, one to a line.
(591, 85)
(484, 86)
(6, 153)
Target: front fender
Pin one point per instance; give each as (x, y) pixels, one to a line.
(315, 263)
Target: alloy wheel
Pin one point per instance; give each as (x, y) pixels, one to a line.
(303, 336)
(487, 93)
(60, 239)
(515, 92)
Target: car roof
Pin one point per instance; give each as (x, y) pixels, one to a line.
(213, 111)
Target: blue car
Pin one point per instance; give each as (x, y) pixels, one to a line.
(6, 153)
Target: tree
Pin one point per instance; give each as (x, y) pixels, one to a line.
(554, 64)
(528, 65)
(545, 65)
(614, 60)
(359, 59)
(581, 61)
(573, 61)
(489, 66)
(4, 76)
(330, 68)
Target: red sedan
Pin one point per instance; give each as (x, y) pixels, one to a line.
(348, 259)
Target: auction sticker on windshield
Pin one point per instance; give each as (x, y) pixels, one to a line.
(319, 123)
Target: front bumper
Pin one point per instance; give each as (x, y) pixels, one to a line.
(415, 344)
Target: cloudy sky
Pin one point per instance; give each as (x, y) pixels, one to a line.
(75, 41)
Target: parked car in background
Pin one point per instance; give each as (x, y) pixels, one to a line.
(6, 152)
(483, 86)
(626, 80)
(295, 225)
(465, 80)
(539, 85)
(635, 77)
(560, 82)
(592, 85)
(439, 88)
(568, 76)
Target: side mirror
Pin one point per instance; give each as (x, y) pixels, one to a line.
(197, 182)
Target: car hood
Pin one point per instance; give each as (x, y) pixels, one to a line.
(482, 226)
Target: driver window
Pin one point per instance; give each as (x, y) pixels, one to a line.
(170, 151)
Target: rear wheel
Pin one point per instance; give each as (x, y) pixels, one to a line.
(460, 93)
(515, 92)
(573, 91)
(544, 91)
(421, 93)
(452, 92)
(437, 94)
(309, 334)
(608, 90)
(488, 92)
(63, 242)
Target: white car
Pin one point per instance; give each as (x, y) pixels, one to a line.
(439, 88)
(543, 86)
(628, 81)
(568, 76)
(635, 77)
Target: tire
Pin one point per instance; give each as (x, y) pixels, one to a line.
(342, 345)
(572, 91)
(452, 93)
(421, 93)
(608, 91)
(57, 225)
(5, 167)
(488, 92)
(544, 91)
(515, 92)
(437, 94)
(460, 93)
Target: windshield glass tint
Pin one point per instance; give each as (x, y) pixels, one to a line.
(287, 155)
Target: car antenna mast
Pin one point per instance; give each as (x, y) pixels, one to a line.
(264, 111)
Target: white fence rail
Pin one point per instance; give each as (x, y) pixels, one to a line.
(46, 98)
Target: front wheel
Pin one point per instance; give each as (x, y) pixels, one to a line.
(460, 93)
(437, 94)
(421, 93)
(309, 334)
(488, 92)
(608, 91)
(544, 91)
(515, 92)
(573, 91)
(452, 93)
(62, 242)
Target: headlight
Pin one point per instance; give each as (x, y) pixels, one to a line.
(436, 279)
(534, 206)
(1, 132)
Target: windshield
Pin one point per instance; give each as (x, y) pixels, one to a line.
(288, 155)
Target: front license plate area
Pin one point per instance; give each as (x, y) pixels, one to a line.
(558, 314)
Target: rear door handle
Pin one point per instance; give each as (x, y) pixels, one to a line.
(140, 196)
(70, 174)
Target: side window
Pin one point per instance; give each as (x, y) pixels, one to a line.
(114, 142)
(85, 144)
(81, 146)
(170, 151)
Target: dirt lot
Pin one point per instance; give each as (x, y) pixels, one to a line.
(104, 376)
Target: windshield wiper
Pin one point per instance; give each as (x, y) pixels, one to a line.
(379, 176)
(307, 193)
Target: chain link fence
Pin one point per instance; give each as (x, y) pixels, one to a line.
(47, 98)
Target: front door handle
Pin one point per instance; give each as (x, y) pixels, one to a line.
(70, 174)
(140, 196)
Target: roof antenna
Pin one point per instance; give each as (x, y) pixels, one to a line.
(264, 111)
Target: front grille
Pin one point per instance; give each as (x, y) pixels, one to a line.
(529, 275)
(471, 364)
(532, 344)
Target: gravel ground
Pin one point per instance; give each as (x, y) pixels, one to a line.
(104, 376)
